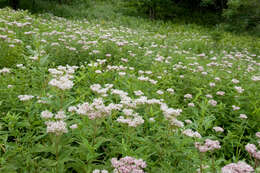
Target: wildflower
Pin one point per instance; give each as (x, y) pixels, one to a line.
(256, 78)
(213, 102)
(217, 78)
(240, 167)
(170, 90)
(9, 86)
(221, 93)
(57, 127)
(235, 81)
(151, 119)
(191, 104)
(188, 96)
(218, 129)
(190, 133)
(74, 126)
(62, 83)
(46, 114)
(235, 107)
(100, 171)
(239, 89)
(138, 93)
(60, 115)
(132, 120)
(160, 92)
(5, 70)
(188, 121)
(203, 167)
(251, 149)
(128, 165)
(257, 134)
(209, 145)
(25, 97)
(34, 58)
(257, 155)
(243, 116)
(98, 71)
(209, 96)
(212, 84)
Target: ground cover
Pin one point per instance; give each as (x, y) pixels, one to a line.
(125, 95)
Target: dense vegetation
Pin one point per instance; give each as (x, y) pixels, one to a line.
(233, 15)
(98, 88)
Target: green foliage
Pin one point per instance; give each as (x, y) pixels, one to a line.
(243, 14)
(134, 46)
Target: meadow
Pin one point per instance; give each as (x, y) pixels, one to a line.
(126, 95)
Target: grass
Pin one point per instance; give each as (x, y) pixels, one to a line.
(164, 60)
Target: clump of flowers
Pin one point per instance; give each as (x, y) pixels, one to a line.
(190, 133)
(170, 114)
(132, 119)
(25, 97)
(128, 165)
(5, 70)
(240, 167)
(94, 110)
(57, 126)
(243, 116)
(100, 171)
(252, 150)
(218, 129)
(213, 102)
(209, 145)
(62, 77)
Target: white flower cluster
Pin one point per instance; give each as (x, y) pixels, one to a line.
(57, 126)
(62, 77)
(252, 150)
(218, 129)
(256, 78)
(190, 133)
(170, 114)
(97, 109)
(25, 97)
(100, 171)
(98, 89)
(209, 145)
(143, 78)
(5, 70)
(132, 119)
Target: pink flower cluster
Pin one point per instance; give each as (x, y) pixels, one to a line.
(57, 126)
(128, 165)
(190, 133)
(252, 150)
(240, 167)
(209, 145)
(98, 109)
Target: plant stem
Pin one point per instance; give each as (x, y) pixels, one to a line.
(256, 164)
(57, 151)
(213, 164)
(201, 168)
(94, 132)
